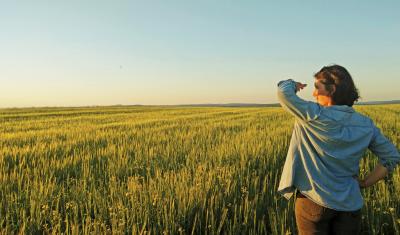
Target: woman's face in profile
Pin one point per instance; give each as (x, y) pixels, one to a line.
(321, 94)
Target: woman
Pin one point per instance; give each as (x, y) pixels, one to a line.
(322, 163)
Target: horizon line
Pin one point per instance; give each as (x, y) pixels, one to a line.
(231, 104)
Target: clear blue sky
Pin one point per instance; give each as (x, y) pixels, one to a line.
(72, 53)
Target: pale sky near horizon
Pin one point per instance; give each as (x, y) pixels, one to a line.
(78, 53)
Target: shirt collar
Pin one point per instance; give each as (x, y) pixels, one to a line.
(343, 108)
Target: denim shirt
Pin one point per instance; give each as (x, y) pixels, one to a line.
(325, 149)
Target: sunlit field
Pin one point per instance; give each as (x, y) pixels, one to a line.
(163, 170)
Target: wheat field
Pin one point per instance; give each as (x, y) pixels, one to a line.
(163, 170)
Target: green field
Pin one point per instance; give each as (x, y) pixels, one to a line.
(162, 170)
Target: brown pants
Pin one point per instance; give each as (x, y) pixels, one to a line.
(312, 218)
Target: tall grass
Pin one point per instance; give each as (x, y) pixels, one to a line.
(162, 170)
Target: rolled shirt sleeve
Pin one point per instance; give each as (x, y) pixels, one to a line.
(301, 109)
(387, 153)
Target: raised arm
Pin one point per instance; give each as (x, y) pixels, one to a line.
(301, 109)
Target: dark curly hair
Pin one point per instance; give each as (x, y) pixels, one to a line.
(345, 92)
